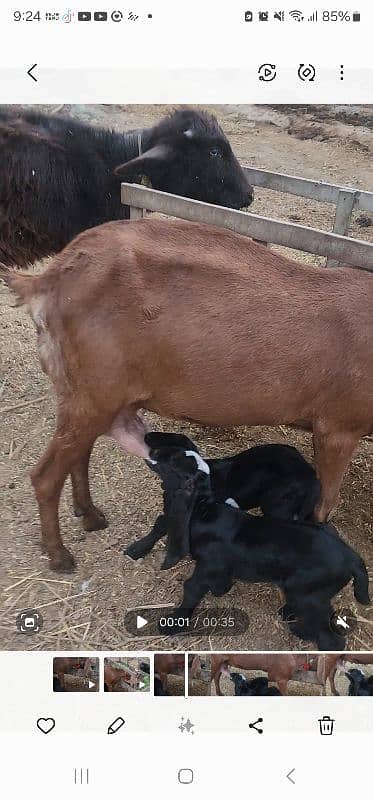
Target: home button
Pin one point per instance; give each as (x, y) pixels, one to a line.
(185, 776)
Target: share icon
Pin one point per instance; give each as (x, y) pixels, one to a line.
(254, 724)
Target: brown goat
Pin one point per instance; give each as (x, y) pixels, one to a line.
(335, 661)
(67, 666)
(113, 676)
(166, 664)
(194, 322)
(280, 668)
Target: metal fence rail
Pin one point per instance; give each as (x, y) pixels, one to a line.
(335, 246)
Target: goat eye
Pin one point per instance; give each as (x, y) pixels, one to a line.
(215, 152)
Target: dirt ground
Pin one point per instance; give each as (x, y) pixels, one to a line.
(175, 686)
(86, 610)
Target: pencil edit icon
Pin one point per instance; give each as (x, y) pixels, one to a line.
(115, 726)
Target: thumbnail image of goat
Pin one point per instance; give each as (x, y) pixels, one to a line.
(163, 324)
(280, 674)
(75, 674)
(338, 670)
(126, 674)
(169, 674)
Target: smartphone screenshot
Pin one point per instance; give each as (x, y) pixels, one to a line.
(186, 399)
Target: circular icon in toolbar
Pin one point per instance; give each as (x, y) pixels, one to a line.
(343, 622)
(116, 16)
(306, 72)
(267, 72)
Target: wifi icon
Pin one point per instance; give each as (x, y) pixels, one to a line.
(297, 15)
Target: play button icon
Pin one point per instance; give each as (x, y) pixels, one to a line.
(140, 622)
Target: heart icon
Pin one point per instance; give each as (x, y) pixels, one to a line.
(45, 724)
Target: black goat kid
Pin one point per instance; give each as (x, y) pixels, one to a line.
(256, 687)
(273, 477)
(360, 686)
(309, 562)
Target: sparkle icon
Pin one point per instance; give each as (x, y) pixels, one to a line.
(186, 725)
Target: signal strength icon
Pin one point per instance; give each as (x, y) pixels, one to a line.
(297, 15)
(313, 17)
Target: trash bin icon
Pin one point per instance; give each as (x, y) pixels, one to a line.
(326, 726)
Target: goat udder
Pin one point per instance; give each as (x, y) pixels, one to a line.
(129, 433)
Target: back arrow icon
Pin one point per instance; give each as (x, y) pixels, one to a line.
(289, 776)
(29, 72)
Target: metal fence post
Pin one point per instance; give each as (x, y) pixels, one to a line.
(343, 211)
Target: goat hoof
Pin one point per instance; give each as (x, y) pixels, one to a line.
(62, 561)
(134, 551)
(169, 563)
(78, 511)
(171, 560)
(94, 520)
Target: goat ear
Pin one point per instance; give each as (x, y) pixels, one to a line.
(130, 169)
(178, 522)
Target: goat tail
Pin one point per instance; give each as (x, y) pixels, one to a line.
(24, 285)
(361, 582)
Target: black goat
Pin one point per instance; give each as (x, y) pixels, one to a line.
(273, 477)
(257, 687)
(360, 686)
(159, 691)
(60, 176)
(309, 562)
